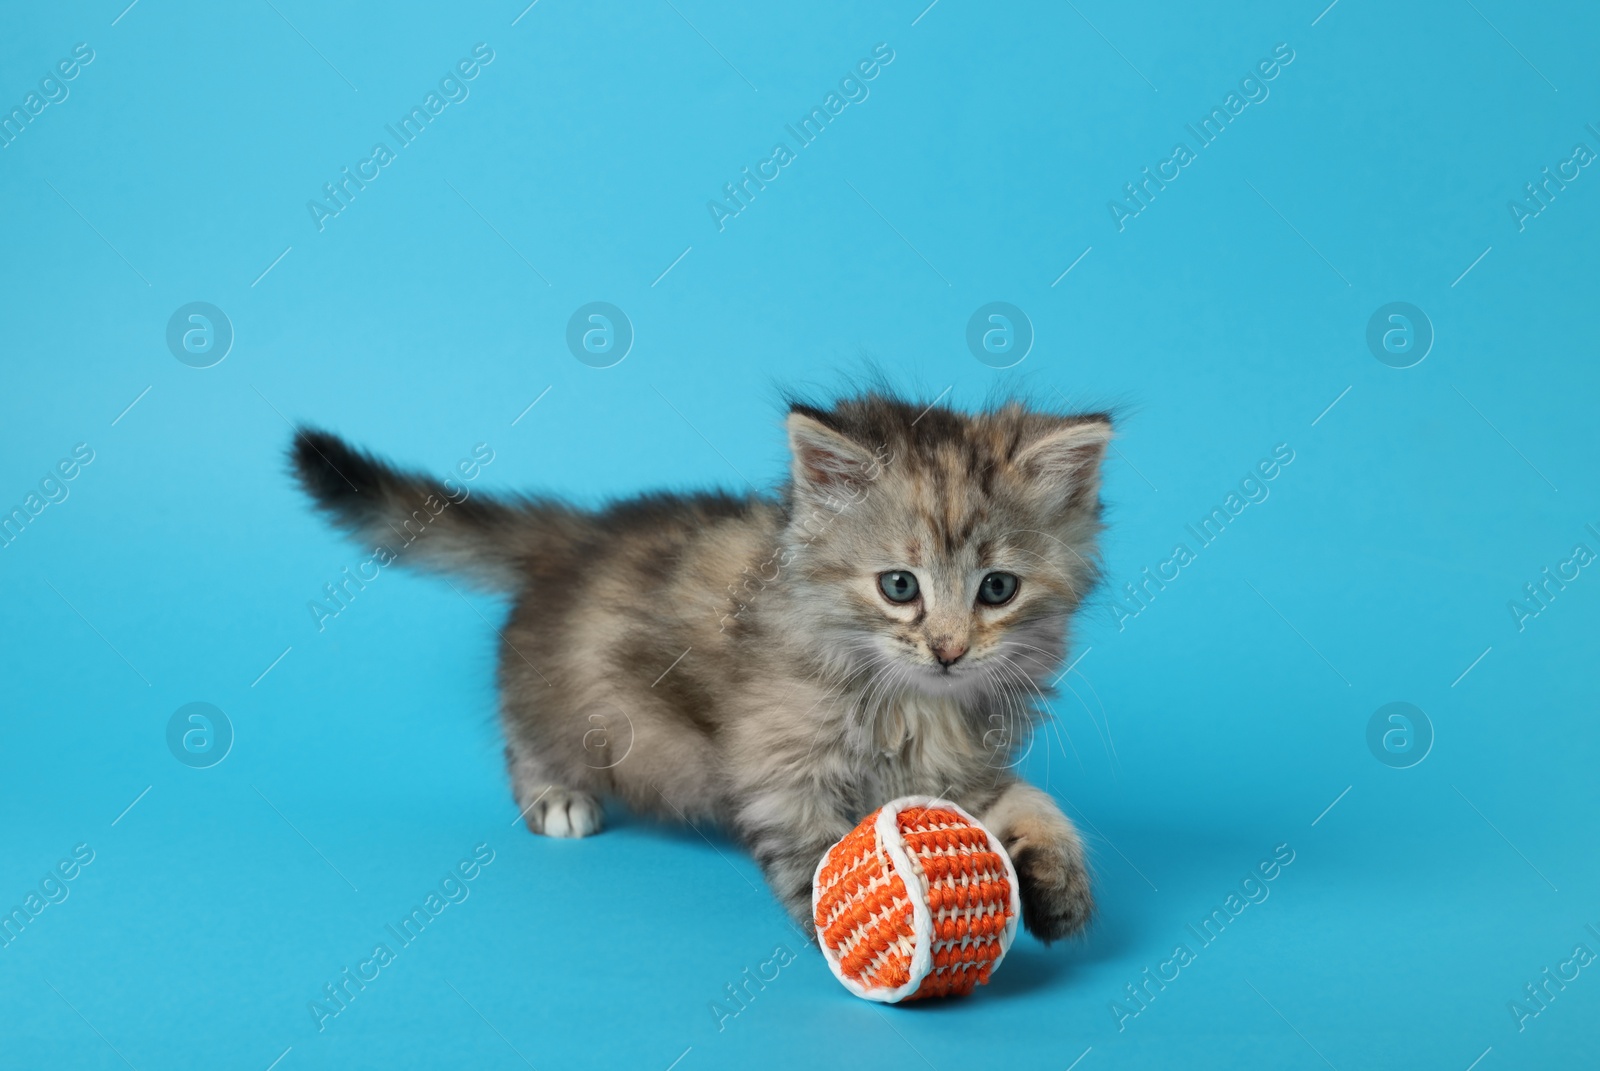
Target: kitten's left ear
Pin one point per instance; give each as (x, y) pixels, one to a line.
(1066, 461)
(825, 461)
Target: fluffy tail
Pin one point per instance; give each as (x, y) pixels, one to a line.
(440, 525)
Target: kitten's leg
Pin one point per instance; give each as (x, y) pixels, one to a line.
(547, 806)
(1045, 849)
(788, 834)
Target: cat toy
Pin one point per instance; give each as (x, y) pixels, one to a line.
(919, 900)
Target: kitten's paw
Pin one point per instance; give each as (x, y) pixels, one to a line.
(564, 812)
(798, 906)
(1056, 901)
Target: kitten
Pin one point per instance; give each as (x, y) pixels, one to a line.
(783, 665)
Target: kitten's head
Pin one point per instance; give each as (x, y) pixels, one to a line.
(942, 551)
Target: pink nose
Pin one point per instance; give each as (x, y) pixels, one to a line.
(948, 652)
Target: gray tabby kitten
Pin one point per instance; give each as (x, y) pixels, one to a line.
(782, 666)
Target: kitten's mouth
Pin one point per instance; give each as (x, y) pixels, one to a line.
(935, 678)
(943, 678)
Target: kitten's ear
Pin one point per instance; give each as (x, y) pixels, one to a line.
(824, 461)
(1066, 461)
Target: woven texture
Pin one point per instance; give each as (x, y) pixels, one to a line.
(912, 854)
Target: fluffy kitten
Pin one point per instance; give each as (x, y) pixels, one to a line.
(781, 666)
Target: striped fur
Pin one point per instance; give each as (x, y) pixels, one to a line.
(709, 658)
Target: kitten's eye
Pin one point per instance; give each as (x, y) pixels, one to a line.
(898, 585)
(997, 588)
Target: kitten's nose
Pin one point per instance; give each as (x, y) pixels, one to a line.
(948, 652)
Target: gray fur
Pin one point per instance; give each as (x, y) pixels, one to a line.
(706, 658)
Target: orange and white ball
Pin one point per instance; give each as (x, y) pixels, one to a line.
(919, 900)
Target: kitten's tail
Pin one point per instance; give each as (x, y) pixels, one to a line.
(439, 525)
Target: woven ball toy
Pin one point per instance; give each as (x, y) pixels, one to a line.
(919, 900)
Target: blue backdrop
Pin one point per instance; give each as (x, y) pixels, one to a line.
(1351, 248)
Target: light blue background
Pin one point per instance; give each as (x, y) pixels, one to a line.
(1223, 320)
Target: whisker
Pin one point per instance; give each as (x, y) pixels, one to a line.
(1029, 715)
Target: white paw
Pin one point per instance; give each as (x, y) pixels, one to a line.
(564, 812)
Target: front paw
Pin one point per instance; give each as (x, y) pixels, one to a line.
(1056, 901)
(564, 812)
(797, 903)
